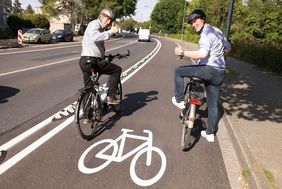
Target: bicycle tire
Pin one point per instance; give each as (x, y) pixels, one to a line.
(117, 107)
(88, 113)
(187, 125)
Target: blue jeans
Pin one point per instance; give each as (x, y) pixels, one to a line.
(213, 78)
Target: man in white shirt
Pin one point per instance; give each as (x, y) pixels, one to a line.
(210, 68)
(93, 52)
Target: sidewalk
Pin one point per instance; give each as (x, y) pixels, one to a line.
(253, 107)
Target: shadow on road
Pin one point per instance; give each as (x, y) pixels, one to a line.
(130, 104)
(7, 92)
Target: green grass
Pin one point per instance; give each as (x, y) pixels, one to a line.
(246, 174)
(270, 178)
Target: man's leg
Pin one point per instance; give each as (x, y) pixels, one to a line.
(212, 101)
(114, 71)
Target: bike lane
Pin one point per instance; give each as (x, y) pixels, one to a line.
(147, 105)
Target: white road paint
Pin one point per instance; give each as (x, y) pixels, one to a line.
(54, 63)
(17, 157)
(118, 155)
(47, 49)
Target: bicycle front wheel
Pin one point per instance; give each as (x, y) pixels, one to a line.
(88, 113)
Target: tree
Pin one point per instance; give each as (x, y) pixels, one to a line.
(17, 8)
(128, 24)
(29, 9)
(167, 18)
(83, 11)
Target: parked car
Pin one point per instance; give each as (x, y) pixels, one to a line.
(37, 35)
(62, 35)
(144, 35)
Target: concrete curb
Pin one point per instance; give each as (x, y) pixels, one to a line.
(245, 157)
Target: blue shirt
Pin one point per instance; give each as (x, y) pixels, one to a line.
(212, 45)
(93, 40)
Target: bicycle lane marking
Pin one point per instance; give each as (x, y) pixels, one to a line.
(118, 155)
(20, 155)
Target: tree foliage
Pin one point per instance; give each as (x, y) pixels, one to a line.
(129, 25)
(167, 16)
(29, 9)
(17, 8)
(83, 11)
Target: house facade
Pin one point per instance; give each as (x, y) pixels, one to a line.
(5, 12)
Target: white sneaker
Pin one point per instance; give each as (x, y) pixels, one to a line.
(210, 137)
(180, 105)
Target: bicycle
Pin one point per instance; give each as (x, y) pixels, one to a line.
(113, 151)
(192, 100)
(91, 105)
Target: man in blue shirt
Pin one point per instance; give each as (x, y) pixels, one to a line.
(93, 52)
(210, 67)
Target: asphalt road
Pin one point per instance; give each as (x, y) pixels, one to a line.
(49, 158)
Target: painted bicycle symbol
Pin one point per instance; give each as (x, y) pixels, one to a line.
(118, 156)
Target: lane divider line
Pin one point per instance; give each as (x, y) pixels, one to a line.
(47, 49)
(20, 155)
(58, 62)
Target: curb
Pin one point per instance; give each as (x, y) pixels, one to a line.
(246, 158)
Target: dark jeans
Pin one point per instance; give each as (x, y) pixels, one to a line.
(213, 78)
(103, 67)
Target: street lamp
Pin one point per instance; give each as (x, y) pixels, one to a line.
(184, 13)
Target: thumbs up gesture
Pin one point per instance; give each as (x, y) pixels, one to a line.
(114, 28)
(179, 51)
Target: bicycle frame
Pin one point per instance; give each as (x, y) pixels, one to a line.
(120, 156)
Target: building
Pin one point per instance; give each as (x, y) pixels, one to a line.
(5, 12)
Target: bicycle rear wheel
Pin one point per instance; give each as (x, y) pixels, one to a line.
(186, 131)
(117, 107)
(88, 113)
(187, 120)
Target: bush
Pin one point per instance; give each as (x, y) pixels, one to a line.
(15, 23)
(27, 21)
(267, 57)
(37, 20)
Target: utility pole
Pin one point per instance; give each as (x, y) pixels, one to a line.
(229, 18)
(184, 12)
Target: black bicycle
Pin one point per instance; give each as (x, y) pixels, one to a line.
(92, 105)
(192, 100)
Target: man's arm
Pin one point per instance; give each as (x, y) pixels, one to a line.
(179, 50)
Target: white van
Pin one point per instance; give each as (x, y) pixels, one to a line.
(144, 35)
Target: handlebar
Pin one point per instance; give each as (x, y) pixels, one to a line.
(110, 57)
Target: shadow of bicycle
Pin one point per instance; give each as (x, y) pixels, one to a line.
(130, 104)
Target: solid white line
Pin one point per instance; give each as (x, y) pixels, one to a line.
(19, 156)
(58, 62)
(41, 66)
(35, 50)
(47, 49)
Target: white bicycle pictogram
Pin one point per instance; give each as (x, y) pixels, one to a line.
(118, 156)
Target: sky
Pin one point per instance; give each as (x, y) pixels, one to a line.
(143, 10)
